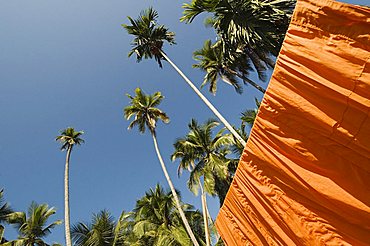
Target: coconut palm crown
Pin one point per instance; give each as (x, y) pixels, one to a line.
(69, 137)
(157, 221)
(144, 108)
(210, 59)
(5, 209)
(149, 36)
(33, 227)
(256, 25)
(203, 155)
(103, 230)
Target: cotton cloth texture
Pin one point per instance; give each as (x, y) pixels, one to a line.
(304, 176)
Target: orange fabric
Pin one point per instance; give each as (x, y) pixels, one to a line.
(304, 176)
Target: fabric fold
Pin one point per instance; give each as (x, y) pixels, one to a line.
(304, 176)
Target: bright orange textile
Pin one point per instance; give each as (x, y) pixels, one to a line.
(304, 176)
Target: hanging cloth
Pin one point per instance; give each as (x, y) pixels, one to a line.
(304, 176)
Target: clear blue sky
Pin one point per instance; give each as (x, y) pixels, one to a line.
(64, 63)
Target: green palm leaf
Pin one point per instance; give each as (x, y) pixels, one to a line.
(32, 227)
(149, 37)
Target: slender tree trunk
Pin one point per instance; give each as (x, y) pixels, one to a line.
(205, 100)
(1, 233)
(245, 79)
(66, 199)
(176, 198)
(213, 224)
(205, 214)
(251, 82)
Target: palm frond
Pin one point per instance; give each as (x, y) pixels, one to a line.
(69, 137)
(143, 107)
(149, 37)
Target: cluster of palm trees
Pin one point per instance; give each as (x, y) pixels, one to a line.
(159, 218)
(249, 34)
(204, 154)
(155, 220)
(249, 37)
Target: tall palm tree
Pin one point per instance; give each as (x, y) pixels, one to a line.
(102, 231)
(5, 210)
(33, 227)
(211, 60)
(68, 138)
(248, 31)
(205, 157)
(148, 43)
(157, 221)
(144, 108)
(253, 27)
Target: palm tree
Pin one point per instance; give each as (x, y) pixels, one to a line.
(32, 227)
(248, 31)
(143, 107)
(5, 210)
(148, 43)
(68, 138)
(204, 156)
(102, 231)
(249, 116)
(253, 27)
(211, 60)
(157, 221)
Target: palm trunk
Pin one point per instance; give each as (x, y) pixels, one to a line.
(205, 215)
(213, 224)
(251, 82)
(245, 79)
(66, 199)
(1, 233)
(176, 198)
(205, 100)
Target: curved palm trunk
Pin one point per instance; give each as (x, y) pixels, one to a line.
(66, 199)
(205, 100)
(176, 198)
(205, 215)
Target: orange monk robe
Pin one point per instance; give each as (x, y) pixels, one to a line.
(304, 176)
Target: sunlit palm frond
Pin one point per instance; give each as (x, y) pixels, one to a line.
(149, 37)
(255, 28)
(69, 137)
(157, 221)
(143, 108)
(32, 227)
(204, 153)
(5, 208)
